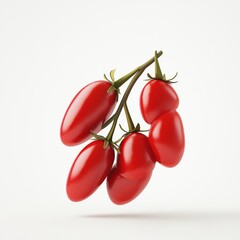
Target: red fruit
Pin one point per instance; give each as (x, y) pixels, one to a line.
(89, 109)
(136, 158)
(122, 190)
(166, 137)
(89, 170)
(156, 98)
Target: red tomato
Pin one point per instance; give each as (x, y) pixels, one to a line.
(89, 109)
(166, 137)
(136, 158)
(89, 170)
(157, 97)
(122, 190)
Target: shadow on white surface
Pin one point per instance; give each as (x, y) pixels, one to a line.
(187, 216)
(181, 225)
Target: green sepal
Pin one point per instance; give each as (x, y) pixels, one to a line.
(112, 144)
(169, 80)
(115, 147)
(105, 77)
(122, 128)
(120, 139)
(112, 81)
(150, 77)
(137, 128)
(113, 88)
(144, 130)
(97, 137)
(112, 75)
(106, 143)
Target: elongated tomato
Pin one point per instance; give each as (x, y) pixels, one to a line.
(122, 190)
(89, 170)
(136, 158)
(166, 137)
(89, 109)
(156, 98)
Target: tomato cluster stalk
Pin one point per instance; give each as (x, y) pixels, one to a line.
(136, 73)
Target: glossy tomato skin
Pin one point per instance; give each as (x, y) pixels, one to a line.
(136, 158)
(89, 109)
(122, 190)
(89, 170)
(156, 98)
(166, 137)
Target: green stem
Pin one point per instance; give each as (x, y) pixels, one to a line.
(123, 79)
(123, 101)
(117, 84)
(131, 126)
(158, 72)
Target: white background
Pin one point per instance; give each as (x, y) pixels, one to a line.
(50, 49)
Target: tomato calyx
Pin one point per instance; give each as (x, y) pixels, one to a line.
(96, 136)
(106, 141)
(136, 129)
(158, 73)
(169, 81)
(112, 81)
(126, 133)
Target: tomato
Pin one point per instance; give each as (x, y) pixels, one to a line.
(156, 98)
(122, 190)
(136, 158)
(166, 137)
(89, 170)
(89, 109)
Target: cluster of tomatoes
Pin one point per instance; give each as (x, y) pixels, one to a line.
(136, 154)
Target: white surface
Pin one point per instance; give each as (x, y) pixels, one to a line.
(51, 49)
